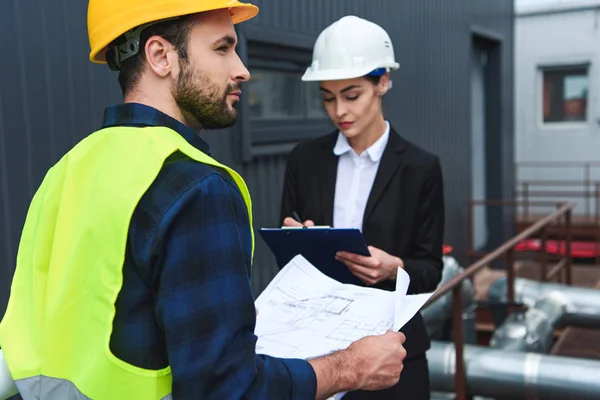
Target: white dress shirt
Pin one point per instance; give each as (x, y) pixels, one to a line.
(355, 177)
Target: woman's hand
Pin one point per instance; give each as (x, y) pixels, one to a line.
(289, 221)
(380, 267)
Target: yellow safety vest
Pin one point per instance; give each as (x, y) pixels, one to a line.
(56, 331)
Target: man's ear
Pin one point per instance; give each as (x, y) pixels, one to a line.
(161, 56)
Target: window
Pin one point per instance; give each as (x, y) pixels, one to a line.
(278, 109)
(280, 95)
(281, 108)
(565, 94)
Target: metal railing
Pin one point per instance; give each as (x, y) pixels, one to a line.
(573, 190)
(566, 229)
(507, 249)
(585, 166)
(586, 187)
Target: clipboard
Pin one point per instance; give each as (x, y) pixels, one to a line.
(319, 246)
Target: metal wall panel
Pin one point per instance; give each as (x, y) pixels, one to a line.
(51, 97)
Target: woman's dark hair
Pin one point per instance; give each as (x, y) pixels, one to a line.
(374, 79)
(176, 32)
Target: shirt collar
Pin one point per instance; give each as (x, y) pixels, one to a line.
(140, 115)
(375, 151)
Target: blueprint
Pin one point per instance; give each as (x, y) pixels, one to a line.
(305, 314)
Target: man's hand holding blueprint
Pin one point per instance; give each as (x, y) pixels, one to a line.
(305, 314)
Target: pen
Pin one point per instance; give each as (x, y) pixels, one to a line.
(297, 218)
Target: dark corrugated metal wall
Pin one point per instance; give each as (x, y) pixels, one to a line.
(51, 97)
(429, 102)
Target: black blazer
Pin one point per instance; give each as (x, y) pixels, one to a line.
(404, 215)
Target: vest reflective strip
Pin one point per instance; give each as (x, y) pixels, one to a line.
(46, 388)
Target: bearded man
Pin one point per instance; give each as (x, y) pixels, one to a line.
(132, 278)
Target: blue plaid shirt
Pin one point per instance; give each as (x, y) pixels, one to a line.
(186, 299)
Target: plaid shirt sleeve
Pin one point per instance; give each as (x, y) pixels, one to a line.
(205, 305)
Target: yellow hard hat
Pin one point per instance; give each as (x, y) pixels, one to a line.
(109, 19)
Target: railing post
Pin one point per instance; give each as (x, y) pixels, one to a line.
(526, 202)
(587, 190)
(597, 196)
(568, 245)
(597, 223)
(470, 218)
(460, 377)
(543, 258)
(510, 275)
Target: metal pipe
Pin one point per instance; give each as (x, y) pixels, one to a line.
(515, 375)
(452, 396)
(439, 313)
(581, 321)
(531, 330)
(579, 300)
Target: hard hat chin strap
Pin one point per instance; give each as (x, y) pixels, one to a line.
(121, 52)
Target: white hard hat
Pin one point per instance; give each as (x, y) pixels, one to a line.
(350, 48)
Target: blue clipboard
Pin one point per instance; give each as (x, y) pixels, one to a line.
(318, 246)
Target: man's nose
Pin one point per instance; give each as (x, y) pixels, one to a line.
(240, 73)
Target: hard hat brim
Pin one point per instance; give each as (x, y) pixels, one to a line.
(338, 75)
(240, 12)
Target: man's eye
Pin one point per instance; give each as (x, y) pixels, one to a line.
(329, 100)
(223, 48)
(352, 98)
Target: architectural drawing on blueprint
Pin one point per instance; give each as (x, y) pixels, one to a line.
(328, 304)
(306, 314)
(354, 329)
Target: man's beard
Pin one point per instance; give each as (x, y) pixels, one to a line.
(202, 100)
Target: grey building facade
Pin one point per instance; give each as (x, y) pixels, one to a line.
(453, 95)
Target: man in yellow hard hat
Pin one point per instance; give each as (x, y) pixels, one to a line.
(132, 278)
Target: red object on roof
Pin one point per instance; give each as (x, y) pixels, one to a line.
(578, 249)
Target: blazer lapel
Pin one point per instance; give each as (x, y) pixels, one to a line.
(327, 168)
(389, 164)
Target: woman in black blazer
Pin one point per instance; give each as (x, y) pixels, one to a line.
(365, 176)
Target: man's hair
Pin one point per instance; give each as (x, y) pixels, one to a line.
(176, 32)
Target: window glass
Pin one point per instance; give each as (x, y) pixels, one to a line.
(314, 99)
(275, 95)
(565, 94)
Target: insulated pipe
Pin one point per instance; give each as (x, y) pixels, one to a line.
(452, 396)
(532, 330)
(436, 315)
(583, 302)
(514, 375)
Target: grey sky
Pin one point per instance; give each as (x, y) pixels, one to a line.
(536, 2)
(519, 4)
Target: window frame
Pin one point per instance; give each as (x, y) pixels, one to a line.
(564, 68)
(277, 50)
